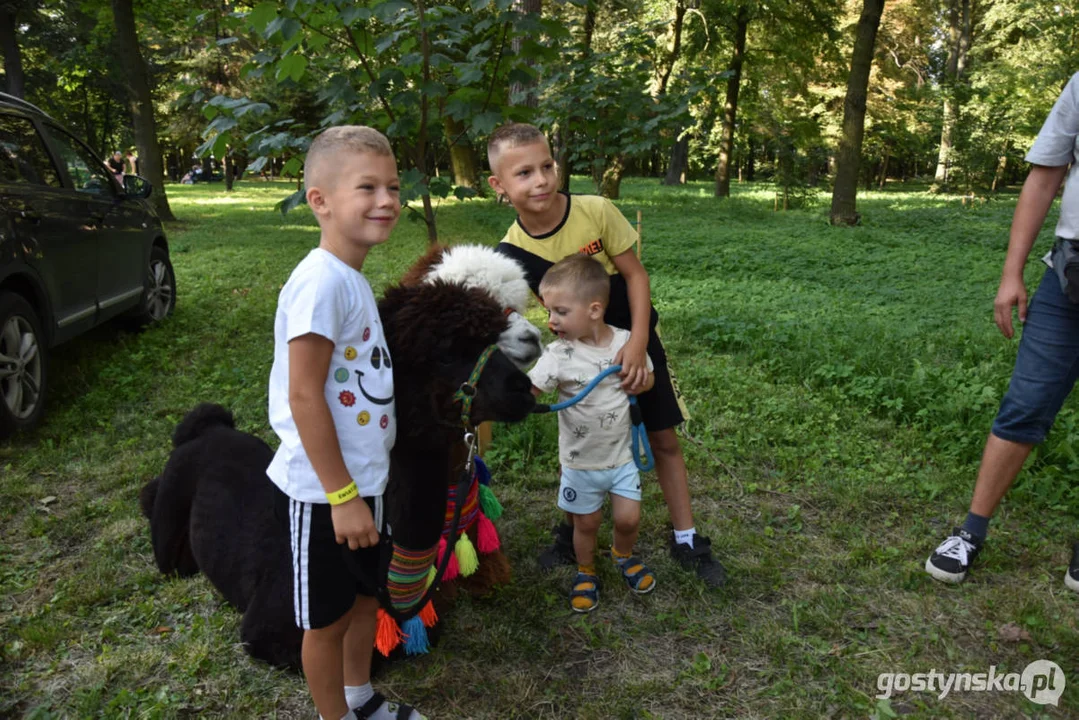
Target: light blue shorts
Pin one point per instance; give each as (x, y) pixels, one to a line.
(582, 491)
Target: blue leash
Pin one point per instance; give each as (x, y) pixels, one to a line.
(638, 435)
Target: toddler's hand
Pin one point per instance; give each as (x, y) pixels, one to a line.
(632, 358)
(353, 523)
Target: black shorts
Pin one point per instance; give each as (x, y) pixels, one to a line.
(327, 577)
(662, 406)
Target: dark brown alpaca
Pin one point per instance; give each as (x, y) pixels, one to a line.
(213, 509)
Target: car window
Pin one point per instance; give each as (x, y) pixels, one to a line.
(87, 173)
(23, 157)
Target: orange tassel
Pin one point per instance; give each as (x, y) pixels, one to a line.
(487, 536)
(387, 635)
(428, 615)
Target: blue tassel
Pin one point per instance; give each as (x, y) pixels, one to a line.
(482, 473)
(416, 642)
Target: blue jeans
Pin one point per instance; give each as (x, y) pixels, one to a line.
(1046, 367)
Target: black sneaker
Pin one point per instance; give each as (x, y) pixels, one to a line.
(699, 559)
(1071, 578)
(952, 559)
(561, 550)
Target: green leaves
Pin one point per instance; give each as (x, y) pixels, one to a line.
(291, 67)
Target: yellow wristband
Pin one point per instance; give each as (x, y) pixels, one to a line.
(338, 497)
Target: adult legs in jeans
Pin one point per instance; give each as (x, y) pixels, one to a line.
(1046, 369)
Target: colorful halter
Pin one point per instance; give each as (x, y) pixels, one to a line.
(467, 392)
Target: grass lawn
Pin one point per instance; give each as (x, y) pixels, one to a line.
(841, 381)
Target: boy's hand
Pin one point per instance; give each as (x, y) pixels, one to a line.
(352, 523)
(632, 358)
(1012, 292)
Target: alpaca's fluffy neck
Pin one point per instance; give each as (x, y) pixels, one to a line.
(422, 467)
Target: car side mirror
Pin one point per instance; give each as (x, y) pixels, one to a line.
(137, 186)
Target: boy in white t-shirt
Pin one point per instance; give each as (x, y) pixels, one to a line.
(331, 404)
(594, 434)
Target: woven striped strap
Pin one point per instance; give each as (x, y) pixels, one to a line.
(407, 576)
(469, 509)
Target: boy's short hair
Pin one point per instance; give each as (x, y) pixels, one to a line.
(583, 275)
(511, 135)
(317, 167)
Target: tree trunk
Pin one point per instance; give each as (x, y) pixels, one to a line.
(140, 101)
(611, 182)
(751, 168)
(9, 45)
(1002, 163)
(676, 168)
(679, 157)
(466, 166)
(730, 108)
(228, 170)
(959, 28)
(884, 170)
(850, 143)
(527, 93)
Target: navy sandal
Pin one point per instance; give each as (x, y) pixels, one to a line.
(640, 573)
(589, 595)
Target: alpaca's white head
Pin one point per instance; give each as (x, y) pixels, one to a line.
(504, 279)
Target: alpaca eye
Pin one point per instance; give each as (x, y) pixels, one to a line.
(386, 358)
(376, 358)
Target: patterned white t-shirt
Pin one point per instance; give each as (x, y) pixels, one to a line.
(594, 433)
(327, 297)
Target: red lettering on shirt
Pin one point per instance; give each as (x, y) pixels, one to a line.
(593, 248)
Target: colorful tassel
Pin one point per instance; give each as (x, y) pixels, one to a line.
(387, 634)
(431, 572)
(452, 569)
(428, 615)
(489, 503)
(482, 473)
(486, 535)
(466, 555)
(416, 642)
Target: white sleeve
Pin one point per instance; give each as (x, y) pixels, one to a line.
(544, 374)
(317, 303)
(1055, 143)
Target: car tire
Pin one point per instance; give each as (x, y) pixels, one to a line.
(23, 365)
(159, 290)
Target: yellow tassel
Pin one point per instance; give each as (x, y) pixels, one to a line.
(466, 555)
(431, 572)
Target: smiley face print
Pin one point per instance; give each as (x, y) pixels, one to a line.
(380, 363)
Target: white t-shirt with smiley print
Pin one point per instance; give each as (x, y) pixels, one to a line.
(327, 297)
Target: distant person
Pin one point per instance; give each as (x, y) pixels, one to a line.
(116, 166)
(132, 162)
(1046, 367)
(594, 434)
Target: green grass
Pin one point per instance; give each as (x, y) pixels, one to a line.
(841, 381)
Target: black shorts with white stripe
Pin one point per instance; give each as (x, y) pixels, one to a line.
(326, 576)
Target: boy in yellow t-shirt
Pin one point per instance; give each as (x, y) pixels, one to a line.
(552, 225)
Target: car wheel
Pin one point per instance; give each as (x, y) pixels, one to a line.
(23, 365)
(159, 293)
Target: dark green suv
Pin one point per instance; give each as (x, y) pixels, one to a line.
(78, 246)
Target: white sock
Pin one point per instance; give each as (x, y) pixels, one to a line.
(357, 695)
(685, 537)
(347, 716)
